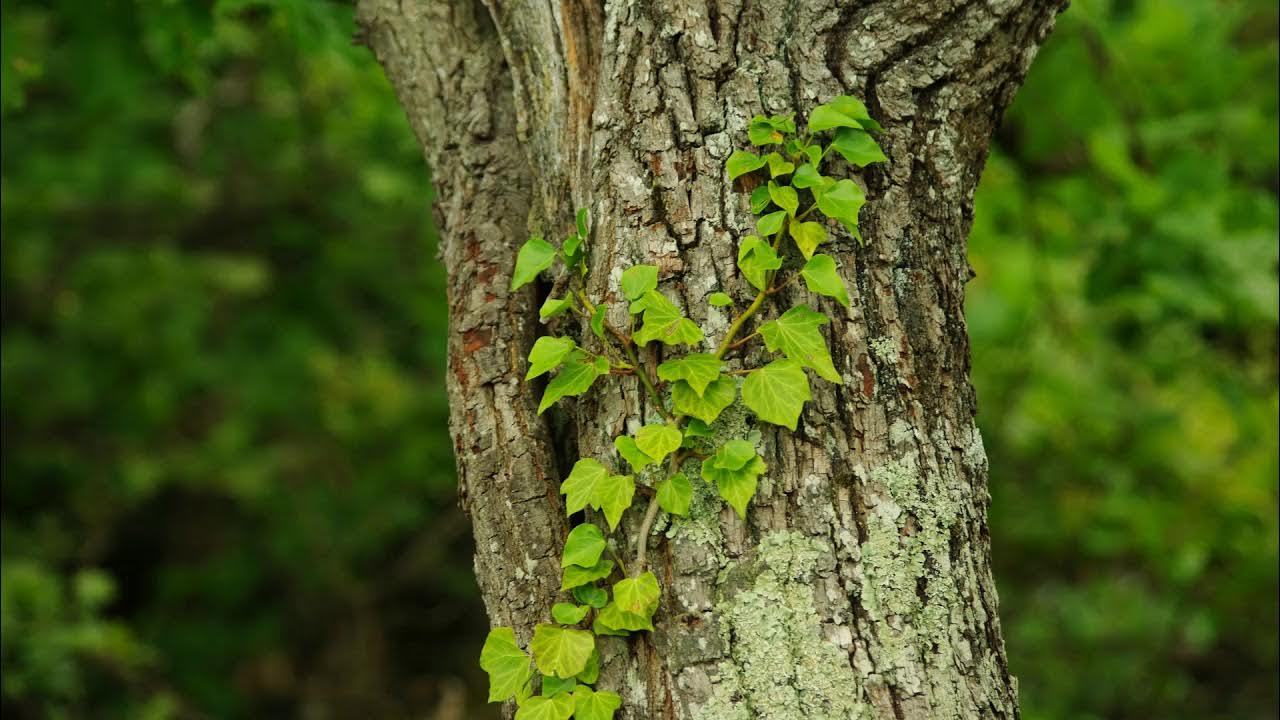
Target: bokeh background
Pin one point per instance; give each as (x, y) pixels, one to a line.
(227, 481)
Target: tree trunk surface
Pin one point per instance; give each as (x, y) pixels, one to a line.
(859, 585)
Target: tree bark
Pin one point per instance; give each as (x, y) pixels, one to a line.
(860, 585)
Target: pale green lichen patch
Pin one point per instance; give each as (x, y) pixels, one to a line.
(885, 350)
(781, 668)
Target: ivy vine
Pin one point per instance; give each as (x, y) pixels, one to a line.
(698, 388)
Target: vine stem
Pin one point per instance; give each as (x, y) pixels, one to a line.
(651, 514)
(624, 341)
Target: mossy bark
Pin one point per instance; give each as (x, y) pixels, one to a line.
(860, 583)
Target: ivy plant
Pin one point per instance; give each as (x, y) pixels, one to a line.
(795, 205)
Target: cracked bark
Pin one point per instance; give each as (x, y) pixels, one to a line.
(528, 111)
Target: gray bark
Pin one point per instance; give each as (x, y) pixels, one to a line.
(860, 583)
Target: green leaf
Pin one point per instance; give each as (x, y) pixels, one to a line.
(784, 197)
(696, 428)
(552, 307)
(562, 652)
(570, 249)
(574, 576)
(593, 596)
(778, 165)
(843, 111)
(663, 321)
(762, 132)
(559, 707)
(858, 147)
(777, 392)
(821, 276)
(535, 256)
(759, 199)
(597, 320)
(842, 201)
(808, 236)
(814, 153)
(581, 219)
(797, 335)
(738, 486)
(590, 483)
(850, 106)
(632, 453)
(575, 378)
(638, 280)
(675, 493)
(806, 177)
(613, 621)
(638, 595)
(658, 440)
(506, 664)
(615, 497)
(547, 354)
(733, 455)
(719, 299)
(592, 671)
(568, 613)
(707, 406)
(697, 369)
(756, 258)
(770, 224)
(552, 685)
(591, 704)
(742, 162)
(583, 547)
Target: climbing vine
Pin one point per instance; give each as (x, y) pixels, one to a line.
(610, 596)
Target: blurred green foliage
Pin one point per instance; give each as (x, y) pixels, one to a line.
(227, 484)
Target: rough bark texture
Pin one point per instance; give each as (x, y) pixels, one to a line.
(860, 584)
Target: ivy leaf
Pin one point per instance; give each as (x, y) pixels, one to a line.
(562, 652)
(613, 621)
(597, 320)
(506, 664)
(842, 111)
(559, 707)
(592, 596)
(842, 201)
(575, 576)
(675, 493)
(696, 428)
(777, 392)
(814, 153)
(719, 299)
(547, 353)
(658, 440)
(583, 547)
(535, 256)
(697, 369)
(592, 671)
(581, 220)
(770, 224)
(615, 497)
(571, 250)
(568, 613)
(590, 483)
(632, 453)
(756, 258)
(796, 334)
(738, 486)
(762, 132)
(858, 147)
(733, 455)
(806, 176)
(821, 276)
(784, 197)
(742, 162)
(552, 307)
(575, 378)
(552, 685)
(591, 704)
(778, 165)
(808, 236)
(664, 321)
(638, 280)
(707, 406)
(759, 199)
(638, 595)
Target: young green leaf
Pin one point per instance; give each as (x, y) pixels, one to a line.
(590, 483)
(568, 613)
(638, 280)
(552, 307)
(762, 132)
(613, 621)
(581, 221)
(821, 276)
(559, 707)
(742, 162)
(663, 321)
(784, 197)
(583, 547)
(552, 685)
(756, 258)
(638, 595)
(562, 652)
(571, 250)
(738, 486)
(696, 428)
(719, 299)
(632, 453)
(814, 153)
(506, 664)
(842, 201)
(807, 236)
(707, 406)
(770, 224)
(597, 320)
(575, 378)
(796, 334)
(593, 596)
(547, 353)
(733, 455)
(858, 147)
(843, 111)
(574, 576)
(592, 671)
(658, 440)
(675, 493)
(535, 256)
(697, 369)
(779, 166)
(760, 199)
(777, 392)
(591, 704)
(807, 176)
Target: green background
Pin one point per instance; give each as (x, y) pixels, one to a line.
(227, 481)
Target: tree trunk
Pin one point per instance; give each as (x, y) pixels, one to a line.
(860, 583)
